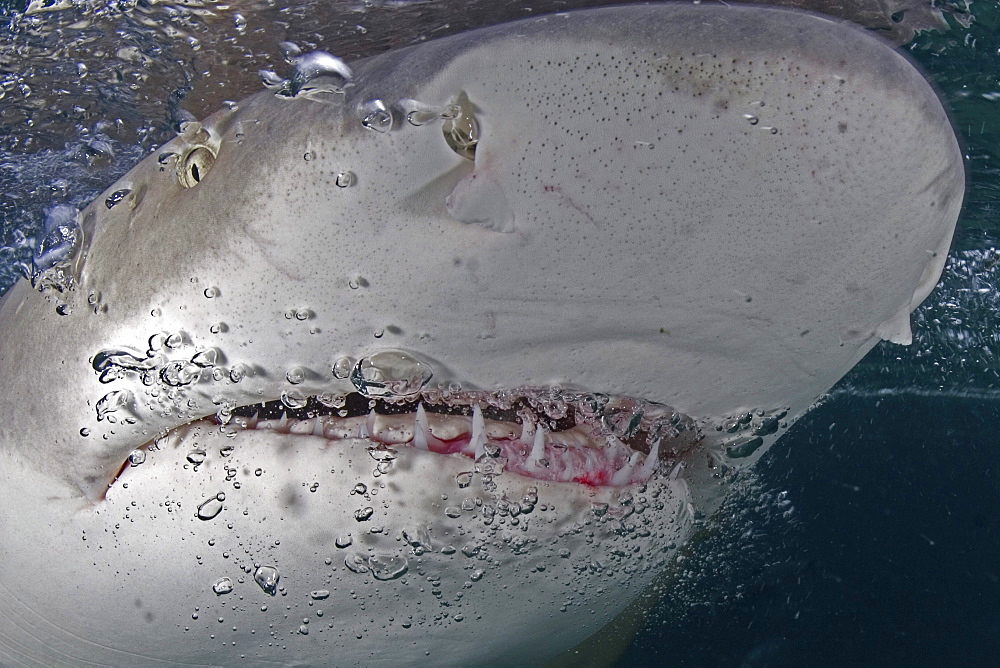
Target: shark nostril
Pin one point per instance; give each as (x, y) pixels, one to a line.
(194, 165)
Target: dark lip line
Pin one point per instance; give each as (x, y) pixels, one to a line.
(356, 405)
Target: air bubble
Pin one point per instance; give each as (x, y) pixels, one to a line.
(356, 563)
(116, 197)
(211, 507)
(136, 457)
(206, 359)
(211, 292)
(179, 373)
(222, 586)
(293, 399)
(753, 120)
(342, 367)
(345, 179)
(387, 566)
(267, 578)
(364, 514)
(390, 373)
(295, 376)
(111, 402)
(376, 116)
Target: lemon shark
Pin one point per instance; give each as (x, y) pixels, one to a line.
(441, 355)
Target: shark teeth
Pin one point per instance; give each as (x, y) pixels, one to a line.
(579, 454)
(543, 433)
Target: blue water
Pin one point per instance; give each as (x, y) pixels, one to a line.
(870, 536)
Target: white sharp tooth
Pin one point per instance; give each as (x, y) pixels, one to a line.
(676, 473)
(624, 474)
(478, 441)
(538, 446)
(318, 426)
(282, 423)
(420, 430)
(527, 431)
(648, 467)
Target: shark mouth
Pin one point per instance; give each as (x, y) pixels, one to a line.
(542, 433)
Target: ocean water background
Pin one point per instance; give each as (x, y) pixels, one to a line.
(870, 533)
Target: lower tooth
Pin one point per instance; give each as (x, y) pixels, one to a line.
(420, 429)
(624, 474)
(538, 446)
(527, 431)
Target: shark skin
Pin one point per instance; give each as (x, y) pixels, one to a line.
(718, 208)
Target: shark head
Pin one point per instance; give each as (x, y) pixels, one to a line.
(437, 356)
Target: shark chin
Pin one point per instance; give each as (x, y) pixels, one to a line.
(440, 356)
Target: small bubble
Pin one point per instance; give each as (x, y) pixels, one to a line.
(359, 488)
(308, 156)
(84, 431)
(222, 586)
(206, 359)
(753, 120)
(116, 197)
(267, 578)
(364, 514)
(390, 373)
(342, 368)
(136, 457)
(237, 373)
(343, 541)
(345, 179)
(210, 508)
(293, 399)
(319, 594)
(295, 376)
(211, 292)
(356, 563)
(376, 116)
(155, 313)
(196, 456)
(387, 567)
(111, 402)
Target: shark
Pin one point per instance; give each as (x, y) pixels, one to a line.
(442, 355)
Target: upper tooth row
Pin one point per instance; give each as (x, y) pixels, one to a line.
(418, 426)
(571, 453)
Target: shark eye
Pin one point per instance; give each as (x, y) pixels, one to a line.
(460, 129)
(193, 167)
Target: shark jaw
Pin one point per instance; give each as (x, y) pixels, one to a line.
(546, 434)
(721, 209)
